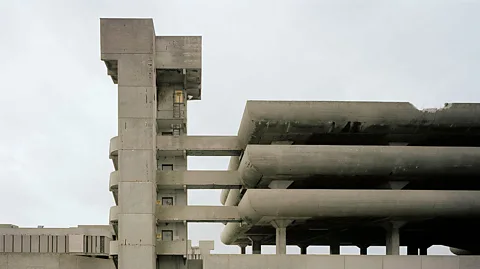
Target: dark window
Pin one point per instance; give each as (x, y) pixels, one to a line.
(167, 133)
(167, 200)
(167, 167)
(102, 244)
(167, 235)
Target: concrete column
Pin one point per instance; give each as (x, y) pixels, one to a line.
(424, 250)
(256, 243)
(243, 248)
(303, 249)
(130, 45)
(281, 235)
(363, 249)
(334, 249)
(393, 237)
(412, 250)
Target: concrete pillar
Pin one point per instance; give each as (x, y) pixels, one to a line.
(424, 250)
(412, 250)
(130, 44)
(256, 243)
(334, 249)
(281, 235)
(303, 249)
(243, 248)
(393, 237)
(363, 249)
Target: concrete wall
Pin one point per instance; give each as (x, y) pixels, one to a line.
(52, 261)
(339, 262)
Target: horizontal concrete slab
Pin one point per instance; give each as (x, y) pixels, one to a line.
(301, 161)
(198, 180)
(199, 145)
(257, 204)
(329, 122)
(197, 213)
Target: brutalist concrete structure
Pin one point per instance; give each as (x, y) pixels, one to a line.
(301, 173)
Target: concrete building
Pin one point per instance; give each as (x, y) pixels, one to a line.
(301, 173)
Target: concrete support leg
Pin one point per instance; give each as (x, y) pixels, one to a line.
(256, 243)
(303, 249)
(393, 237)
(243, 248)
(334, 249)
(281, 235)
(423, 250)
(363, 249)
(412, 250)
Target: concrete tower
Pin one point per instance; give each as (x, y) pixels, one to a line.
(155, 76)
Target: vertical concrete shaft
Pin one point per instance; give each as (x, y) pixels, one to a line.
(393, 237)
(131, 44)
(363, 249)
(243, 248)
(303, 249)
(281, 235)
(256, 243)
(334, 249)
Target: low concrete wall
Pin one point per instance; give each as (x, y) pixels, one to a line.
(339, 262)
(52, 261)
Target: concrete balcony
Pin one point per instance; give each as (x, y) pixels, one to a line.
(113, 248)
(113, 152)
(199, 145)
(114, 210)
(113, 184)
(198, 213)
(177, 247)
(198, 180)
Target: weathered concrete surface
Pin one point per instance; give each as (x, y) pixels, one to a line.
(52, 261)
(198, 179)
(302, 161)
(339, 262)
(199, 145)
(357, 123)
(198, 213)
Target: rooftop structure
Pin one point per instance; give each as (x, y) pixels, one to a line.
(301, 173)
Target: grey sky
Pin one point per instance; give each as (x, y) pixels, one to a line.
(58, 107)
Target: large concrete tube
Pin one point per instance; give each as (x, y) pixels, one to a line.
(232, 166)
(257, 204)
(306, 160)
(224, 195)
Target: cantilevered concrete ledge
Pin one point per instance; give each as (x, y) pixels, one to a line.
(199, 145)
(197, 213)
(262, 206)
(198, 180)
(300, 161)
(257, 204)
(297, 120)
(113, 151)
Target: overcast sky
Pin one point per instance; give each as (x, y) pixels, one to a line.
(59, 108)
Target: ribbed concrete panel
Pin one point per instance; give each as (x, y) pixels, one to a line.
(300, 161)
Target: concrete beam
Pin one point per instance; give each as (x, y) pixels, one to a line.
(198, 180)
(199, 145)
(197, 213)
(178, 52)
(300, 161)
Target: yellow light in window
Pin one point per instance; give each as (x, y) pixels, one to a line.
(178, 98)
